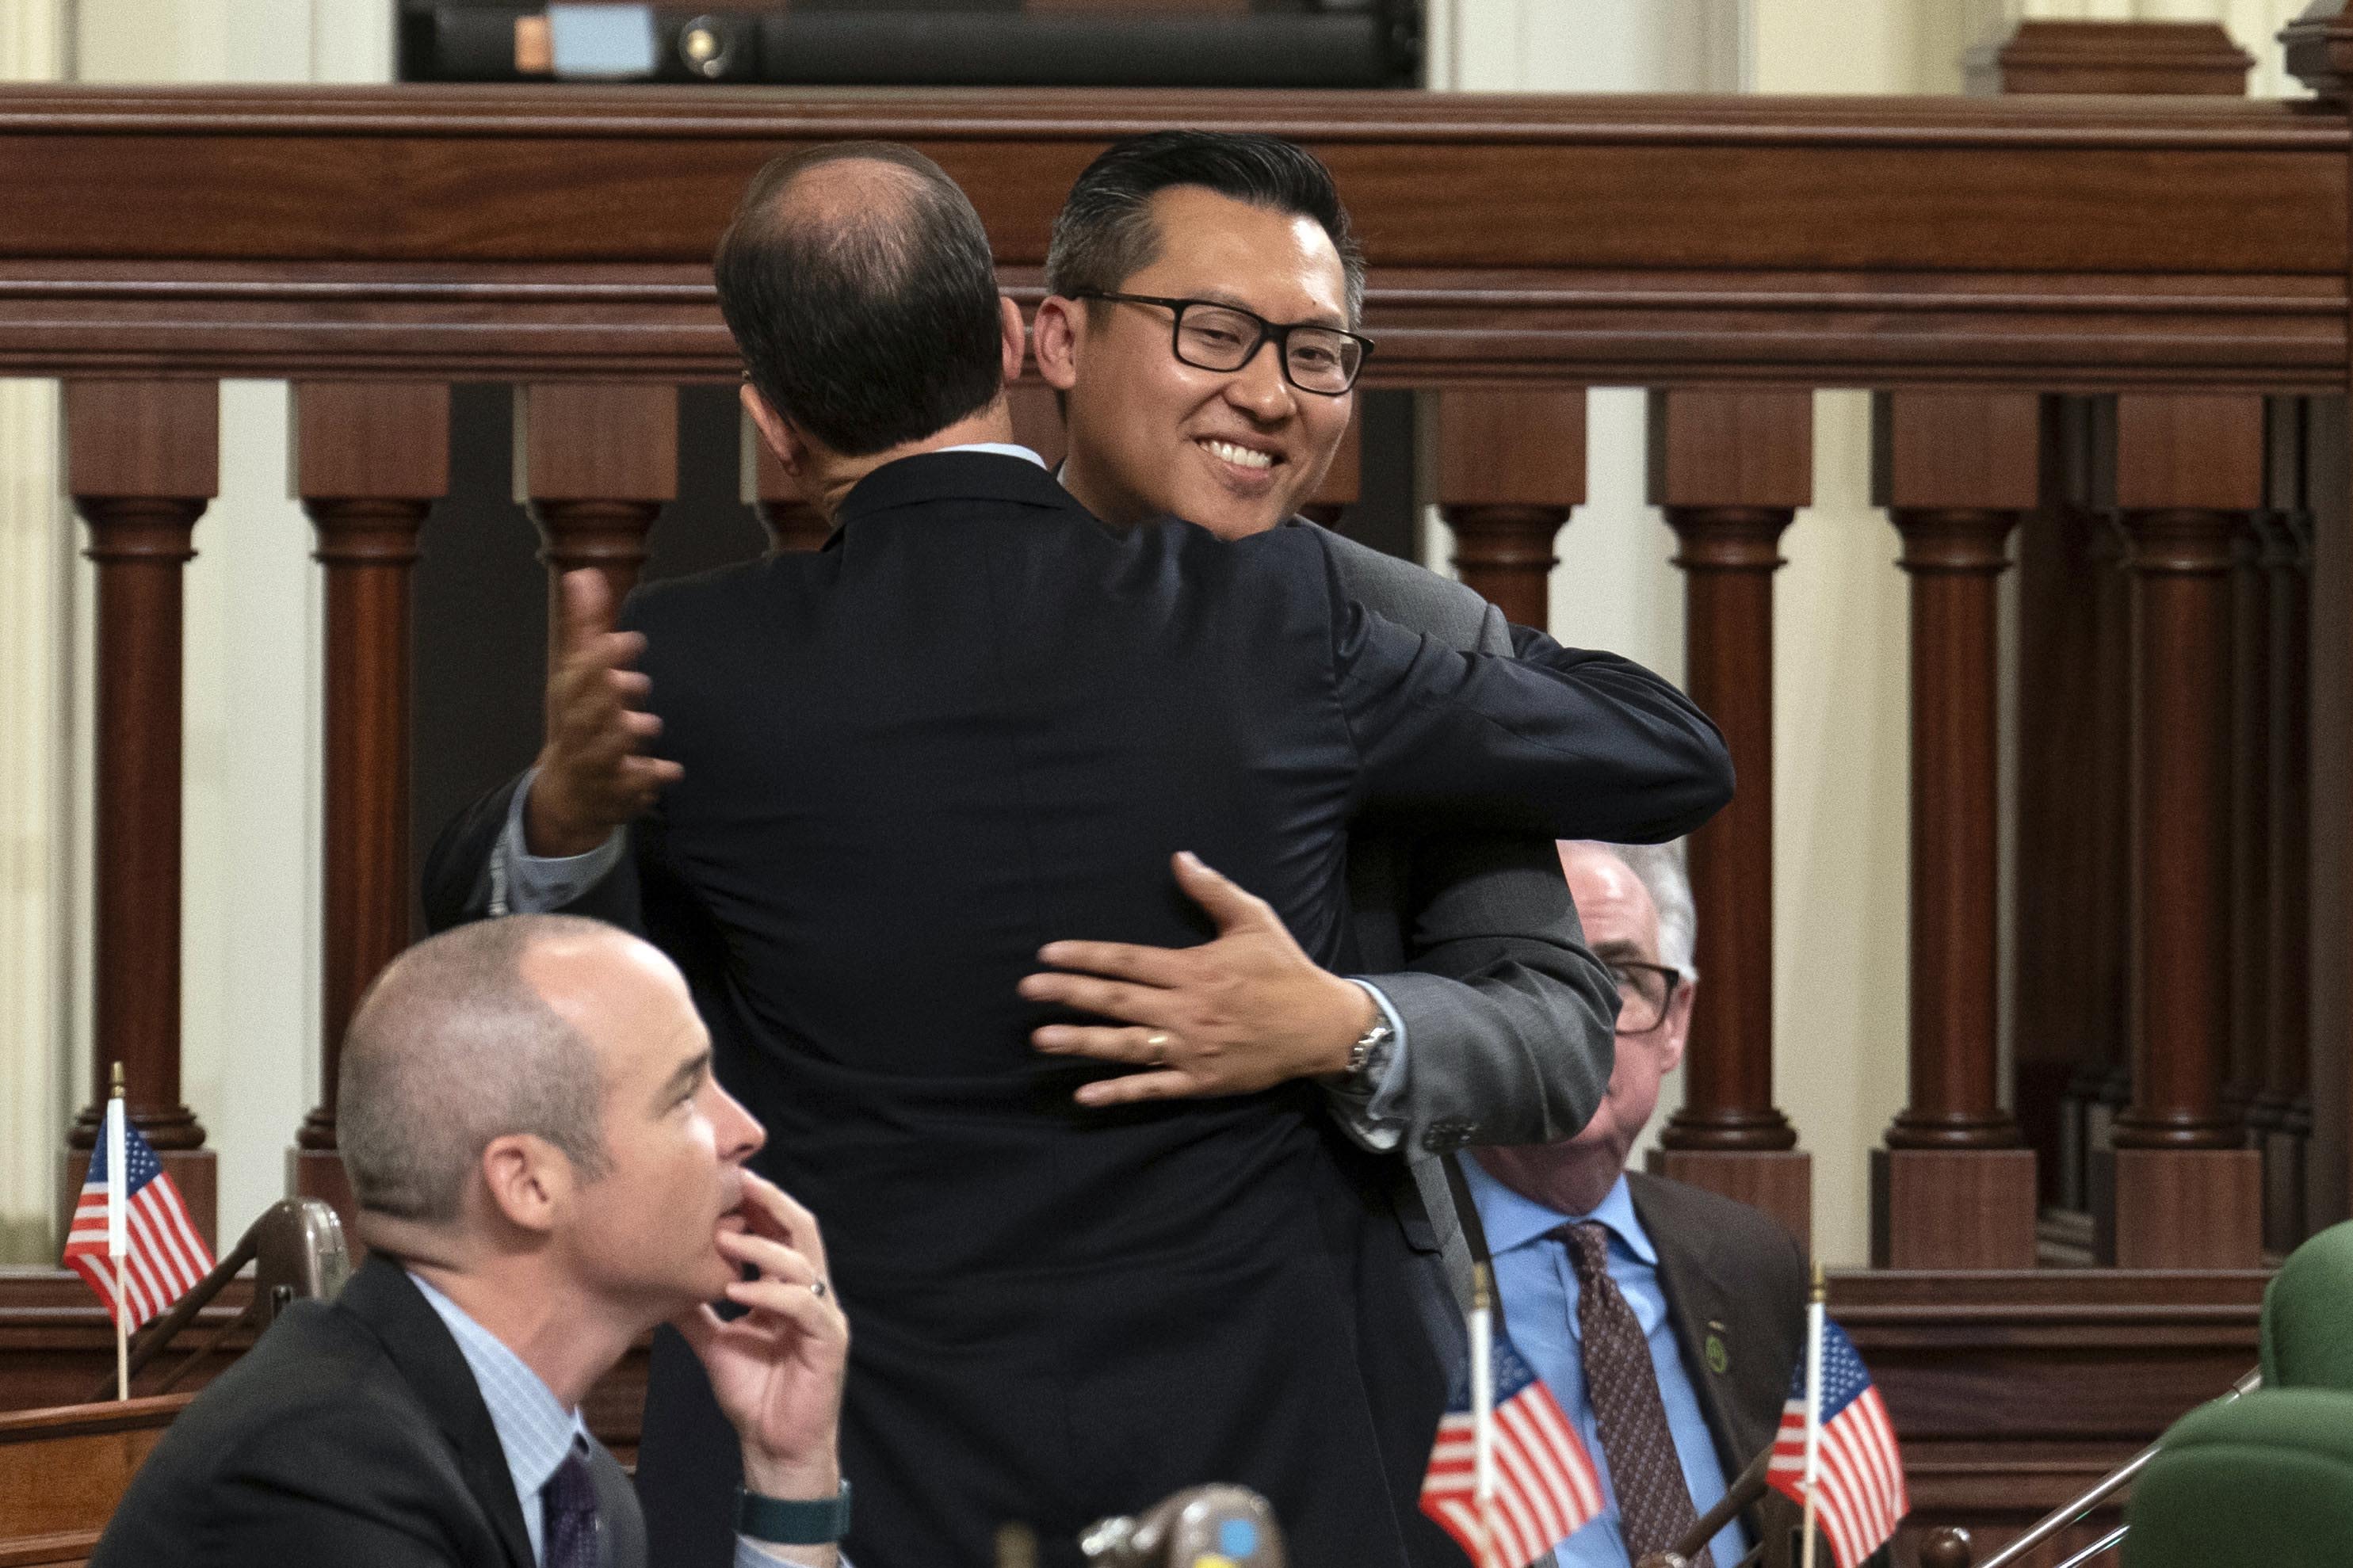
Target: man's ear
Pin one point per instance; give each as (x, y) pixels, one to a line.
(781, 438)
(1678, 1029)
(529, 1180)
(1054, 340)
(1014, 337)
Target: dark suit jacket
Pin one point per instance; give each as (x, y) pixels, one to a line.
(351, 1435)
(1732, 1276)
(979, 721)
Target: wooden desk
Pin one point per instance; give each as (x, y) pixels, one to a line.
(63, 1469)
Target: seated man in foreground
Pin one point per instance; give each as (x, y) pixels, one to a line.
(544, 1169)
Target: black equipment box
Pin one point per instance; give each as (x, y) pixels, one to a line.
(922, 43)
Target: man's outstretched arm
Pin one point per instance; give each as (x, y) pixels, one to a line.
(554, 839)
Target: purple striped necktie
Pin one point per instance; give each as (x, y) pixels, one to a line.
(571, 1523)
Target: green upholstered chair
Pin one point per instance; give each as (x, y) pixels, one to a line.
(2307, 1336)
(2266, 1478)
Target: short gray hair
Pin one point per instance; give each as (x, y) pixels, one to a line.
(1660, 868)
(451, 1048)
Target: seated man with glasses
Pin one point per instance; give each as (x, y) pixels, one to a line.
(1665, 1320)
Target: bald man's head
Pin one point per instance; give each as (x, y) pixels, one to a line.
(455, 1045)
(858, 282)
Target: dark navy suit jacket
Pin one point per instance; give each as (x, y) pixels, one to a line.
(980, 720)
(352, 1435)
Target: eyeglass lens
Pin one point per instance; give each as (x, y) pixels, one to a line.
(1641, 999)
(1318, 359)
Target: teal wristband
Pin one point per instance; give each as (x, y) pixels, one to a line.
(784, 1522)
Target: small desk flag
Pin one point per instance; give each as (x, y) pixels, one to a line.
(163, 1257)
(1862, 1493)
(1544, 1481)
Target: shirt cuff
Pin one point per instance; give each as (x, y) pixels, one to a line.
(535, 884)
(1377, 1121)
(750, 1555)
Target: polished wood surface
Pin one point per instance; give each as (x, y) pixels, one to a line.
(371, 457)
(1730, 467)
(527, 232)
(63, 1469)
(2249, 758)
(2070, 866)
(2280, 1114)
(2327, 1119)
(2182, 1191)
(2189, 470)
(1511, 467)
(594, 463)
(142, 463)
(2113, 58)
(1955, 470)
(2175, 1207)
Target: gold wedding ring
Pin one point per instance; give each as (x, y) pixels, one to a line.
(1157, 1043)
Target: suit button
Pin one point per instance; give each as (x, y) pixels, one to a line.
(1445, 1137)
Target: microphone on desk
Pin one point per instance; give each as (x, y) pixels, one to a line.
(1201, 1527)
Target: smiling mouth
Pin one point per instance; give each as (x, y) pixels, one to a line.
(1240, 457)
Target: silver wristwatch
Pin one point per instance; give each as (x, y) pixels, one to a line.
(1368, 1058)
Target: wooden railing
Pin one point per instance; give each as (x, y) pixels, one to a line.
(2114, 329)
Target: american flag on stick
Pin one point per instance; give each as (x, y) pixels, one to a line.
(1859, 1494)
(146, 1228)
(1509, 1478)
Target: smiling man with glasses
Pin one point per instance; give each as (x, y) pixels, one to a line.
(1206, 296)
(1665, 1320)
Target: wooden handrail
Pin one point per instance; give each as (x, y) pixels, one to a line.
(1609, 240)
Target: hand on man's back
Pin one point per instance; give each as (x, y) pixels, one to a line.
(1240, 1013)
(594, 774)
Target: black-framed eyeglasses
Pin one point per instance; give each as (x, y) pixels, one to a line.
(1207, 335)
(1644, 992)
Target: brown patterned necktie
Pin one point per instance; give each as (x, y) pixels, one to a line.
(1654, 1506)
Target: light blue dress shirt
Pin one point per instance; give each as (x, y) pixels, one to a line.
(1536, 1282)
(534, 1429)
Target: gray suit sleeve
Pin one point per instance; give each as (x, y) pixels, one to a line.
(1509, 1020)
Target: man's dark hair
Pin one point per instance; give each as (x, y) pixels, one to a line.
(867, 323)
(1104, 233)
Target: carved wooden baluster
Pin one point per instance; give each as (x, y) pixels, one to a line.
(2281, 1115)
(1731, 468)
(143, 459)
(594, 462)
(2250, 784)
(1954, 1188)
(1511, 467)
(1343, 481)
(2071, 853)
(2181, 1191)
(371, 458)
(2069, 863)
